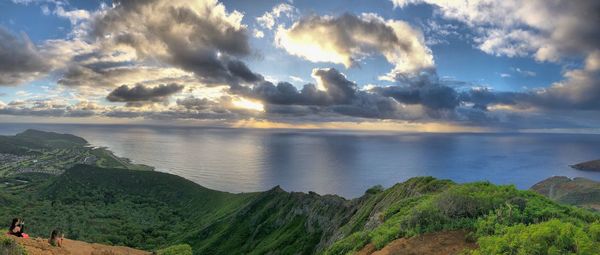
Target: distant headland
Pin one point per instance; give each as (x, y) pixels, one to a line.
(592, 165)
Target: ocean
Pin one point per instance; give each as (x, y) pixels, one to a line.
(330, 162)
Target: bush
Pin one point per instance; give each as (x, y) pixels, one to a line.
(180, 249)
(552, 237)
(9, 246)
(374, 190)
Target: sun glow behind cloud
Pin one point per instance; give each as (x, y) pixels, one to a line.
(243, 103)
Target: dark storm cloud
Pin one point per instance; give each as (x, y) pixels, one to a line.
(434, 97)
(339, 95)
(20, 60)
(426, 90)
(142, 94)
(338, 90)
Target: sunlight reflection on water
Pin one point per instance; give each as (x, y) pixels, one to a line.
(239, 160)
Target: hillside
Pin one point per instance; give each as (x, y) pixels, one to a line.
(577, 191)
(593, 165)
(33, 140)
(52, 153)
(151, 210)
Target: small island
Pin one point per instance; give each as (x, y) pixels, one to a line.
(593, 165)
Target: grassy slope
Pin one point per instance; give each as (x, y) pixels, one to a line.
(151, 210)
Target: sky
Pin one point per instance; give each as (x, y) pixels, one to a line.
(404, 65)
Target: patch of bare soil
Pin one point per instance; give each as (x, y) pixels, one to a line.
(439, 243)
(38, 246)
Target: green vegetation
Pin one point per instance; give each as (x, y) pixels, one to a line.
(141, 209)
(551, 237)
(8, 246)
(180, 249)
(491, 212)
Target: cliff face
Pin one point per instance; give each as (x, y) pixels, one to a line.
(577, 191)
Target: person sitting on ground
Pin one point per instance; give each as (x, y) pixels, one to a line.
(17, 227)
(56, 238)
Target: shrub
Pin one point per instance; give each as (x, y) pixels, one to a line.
(374, 190)
(180, 249)
(552, 237)
(9, 246)
(349, 244)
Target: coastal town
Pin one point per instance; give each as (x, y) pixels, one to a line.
(55, 161)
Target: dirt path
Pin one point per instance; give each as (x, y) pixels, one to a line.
(440, 243)
(38, 246)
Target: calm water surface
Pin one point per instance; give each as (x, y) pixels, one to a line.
(240, 160)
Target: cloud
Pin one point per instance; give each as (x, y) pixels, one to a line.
(526, 73)
(332, 88)
(142, 94)
(351, 38)
(50, 108)
(296, 78)
(268, 19)
(258, 34)
(74, 16)
(200, 37)
(333, 95)
(426, 90)
(20, 59)
(148, 41)
(580, 90)
(548, 30)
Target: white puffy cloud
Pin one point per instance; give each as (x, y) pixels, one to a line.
(547, 30)
(74, 16)
(258, 33)
(268, 19)
(351, 38)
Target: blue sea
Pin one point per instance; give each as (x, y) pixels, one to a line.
(330, 162)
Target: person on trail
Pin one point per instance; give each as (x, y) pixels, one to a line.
(56, 238)
(17, 228)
